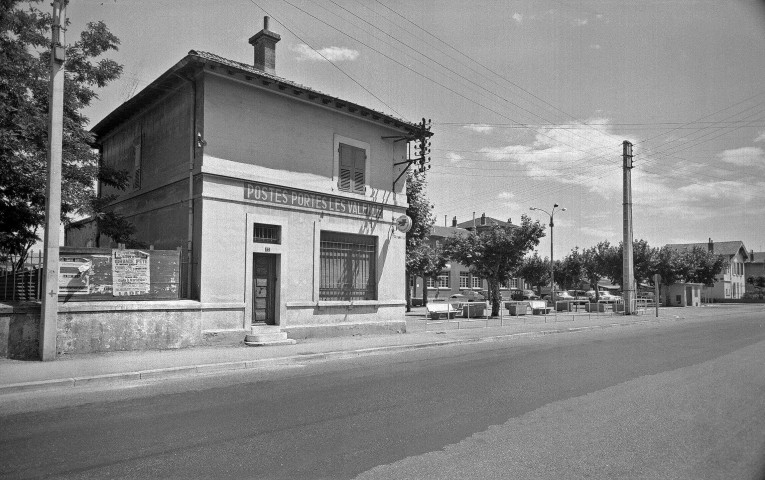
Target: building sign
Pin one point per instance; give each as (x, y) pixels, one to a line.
(315, 201)
(74, 275)
(130, 272)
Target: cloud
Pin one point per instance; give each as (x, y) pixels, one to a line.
(518, 17)
(760, 137)
(595, 46)
(479, 127)
(579, 22)
(333, 54)
(454, 157)
(744, 157)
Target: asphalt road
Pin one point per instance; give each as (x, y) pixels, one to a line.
(677, 400)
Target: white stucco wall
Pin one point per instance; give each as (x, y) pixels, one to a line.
(262, 138)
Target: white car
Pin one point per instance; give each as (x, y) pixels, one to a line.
(606, 297)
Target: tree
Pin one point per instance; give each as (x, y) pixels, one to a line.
(701, 265)
(595, 264)
(535, 271)
(496, 253)
(643, 261)
(420, 211)
(430, 263)
(569, 271)
(24, 76)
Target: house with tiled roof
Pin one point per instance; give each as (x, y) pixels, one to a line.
(286, 201)
(730, 283)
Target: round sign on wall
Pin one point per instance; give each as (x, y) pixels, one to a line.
(404, 223)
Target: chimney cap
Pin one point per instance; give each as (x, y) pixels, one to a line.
(265, 33)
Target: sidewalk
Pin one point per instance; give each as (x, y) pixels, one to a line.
(104, 368)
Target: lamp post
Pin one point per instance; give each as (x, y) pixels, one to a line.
(551, 213)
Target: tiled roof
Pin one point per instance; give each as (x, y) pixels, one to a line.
(489, 221)
(720, 248)
(260, 73)
(169, 80)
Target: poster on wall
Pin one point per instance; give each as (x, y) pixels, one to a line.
(130, 272)
(74, 275)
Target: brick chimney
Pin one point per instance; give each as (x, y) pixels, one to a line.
(510, 221)
(264, 43)
(454, 222)
(711, 246)
(483, 219)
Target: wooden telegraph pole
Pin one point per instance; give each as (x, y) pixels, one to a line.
(49, 312)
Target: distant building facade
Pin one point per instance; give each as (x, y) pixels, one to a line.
(730, 283)
(457, 278)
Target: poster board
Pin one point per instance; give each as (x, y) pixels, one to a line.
(94, 274)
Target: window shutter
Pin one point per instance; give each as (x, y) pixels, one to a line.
(346, 168)
(359, 158)
(352, 174)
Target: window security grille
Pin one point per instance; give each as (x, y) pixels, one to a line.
(263, 233)
(347, 264)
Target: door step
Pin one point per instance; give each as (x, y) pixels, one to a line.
(267, 335)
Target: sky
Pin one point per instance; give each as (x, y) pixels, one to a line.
(530, 101)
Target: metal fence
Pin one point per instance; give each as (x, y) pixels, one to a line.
(24, 283)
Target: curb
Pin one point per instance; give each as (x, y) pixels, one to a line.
(172, 372)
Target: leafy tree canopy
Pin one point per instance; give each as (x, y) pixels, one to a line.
(496, 253)
(535, 271)
(420, 211)
(24, 84)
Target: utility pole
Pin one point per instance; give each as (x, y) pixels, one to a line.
(49, 312)
(628, 267)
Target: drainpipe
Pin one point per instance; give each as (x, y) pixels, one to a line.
(196, 141)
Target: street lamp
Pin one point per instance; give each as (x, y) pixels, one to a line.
(551, 213)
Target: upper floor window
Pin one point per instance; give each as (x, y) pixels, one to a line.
(352, 169)
(263, 233)
(351, 165)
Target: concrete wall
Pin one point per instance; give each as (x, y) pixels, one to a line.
(90, 327)
(228, 248)
(262, 131)
(259, 136)
(19, 332)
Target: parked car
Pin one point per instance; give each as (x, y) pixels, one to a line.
(606, 297)
(529, 295)
(563, 295)
(580, 296)
(469, 296)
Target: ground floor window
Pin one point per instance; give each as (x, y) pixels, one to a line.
(347, 267)
(464, 280)
(477, 283)
(443, 280)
